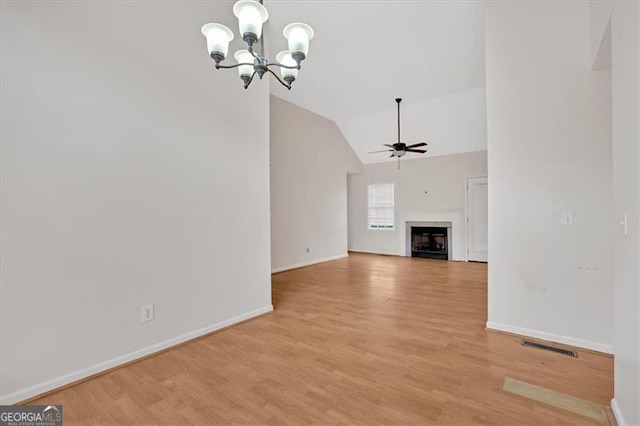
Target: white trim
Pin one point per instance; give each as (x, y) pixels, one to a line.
(49, 385)
(617, 413)
(309, 263)
(565, 340)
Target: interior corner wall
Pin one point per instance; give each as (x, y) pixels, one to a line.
(426, 189)
(125, 181)
(549, 151)
(310, 159)
(625, 68)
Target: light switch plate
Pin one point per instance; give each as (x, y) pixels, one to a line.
(146, 313)
(625, 226)
(567, 218)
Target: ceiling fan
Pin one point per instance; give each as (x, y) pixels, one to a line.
(399, 149)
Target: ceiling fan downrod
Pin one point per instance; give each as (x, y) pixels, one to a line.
(398, 100)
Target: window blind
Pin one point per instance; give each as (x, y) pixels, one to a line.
(381, 206)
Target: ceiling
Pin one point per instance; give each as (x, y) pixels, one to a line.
(367, 53)
(363, 56)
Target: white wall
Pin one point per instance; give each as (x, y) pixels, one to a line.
(309, 163)
(625, 62)
(131, 174)
(549, 150)
(442, 178)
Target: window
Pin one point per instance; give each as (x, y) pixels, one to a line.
(381, 206)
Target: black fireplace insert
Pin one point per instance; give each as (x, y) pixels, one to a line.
(429, 242)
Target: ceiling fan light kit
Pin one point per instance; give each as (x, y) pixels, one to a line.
(400, 149)
(251, 16)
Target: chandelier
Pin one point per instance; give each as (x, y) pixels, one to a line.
(251, 16)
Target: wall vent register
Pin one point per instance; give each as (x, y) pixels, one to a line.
(532, 344)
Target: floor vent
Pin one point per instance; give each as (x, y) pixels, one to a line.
(537, 345)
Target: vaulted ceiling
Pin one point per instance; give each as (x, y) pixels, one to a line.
(367, 53)
(364, 55)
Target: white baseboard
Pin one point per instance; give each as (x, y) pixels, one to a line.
(565, 340)
(40, 388)
(309, 263)
(617, 413)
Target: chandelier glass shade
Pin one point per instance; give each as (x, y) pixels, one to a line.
(250, 62)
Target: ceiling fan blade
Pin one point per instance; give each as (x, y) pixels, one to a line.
(390, 146)
(421, 151)
(384, 150)
(415, 145)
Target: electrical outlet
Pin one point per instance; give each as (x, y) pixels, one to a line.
(307, 249)
(146, 313)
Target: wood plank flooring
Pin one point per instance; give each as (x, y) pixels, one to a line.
(367, 339)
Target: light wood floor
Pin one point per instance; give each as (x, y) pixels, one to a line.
(368, 339)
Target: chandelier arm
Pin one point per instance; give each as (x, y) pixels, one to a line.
(226, 67)
(278, 64)
(260, 59)
(288, 86)
(246, 85)
(253, 53)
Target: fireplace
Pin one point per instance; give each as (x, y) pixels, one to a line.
(430, 242)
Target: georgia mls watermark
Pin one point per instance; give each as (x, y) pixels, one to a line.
(30, 415)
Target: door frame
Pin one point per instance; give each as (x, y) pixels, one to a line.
(466, 210)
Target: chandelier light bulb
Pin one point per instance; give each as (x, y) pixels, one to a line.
(298, 36)
(285, 58)
(243, 56)
(251, 15)
(218, 38)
